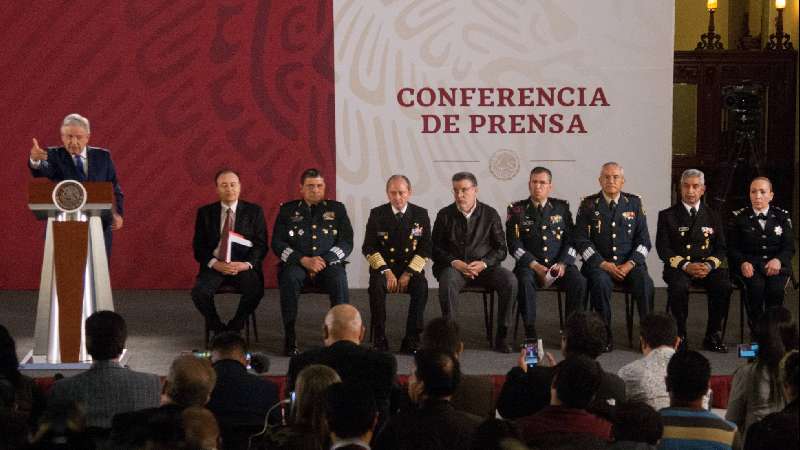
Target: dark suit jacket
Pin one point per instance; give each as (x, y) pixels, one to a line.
(60, 166)
(353, 363)
(437, 425)
(481, 238)
(240, 397)
(748, 242)
(526, 393)
(132, 429)
(249, 223)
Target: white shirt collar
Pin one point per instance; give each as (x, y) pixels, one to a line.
(345, 442)
(535, 203)
(763, 211)
(609, 199)
(82, 154)
(468, 214)
(395, 210)
(696, 206)
(232, 207)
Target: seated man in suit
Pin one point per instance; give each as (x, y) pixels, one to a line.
(539, 233)
(468, 247)
(343, 333)
(761, 247)
(107, 388)
(240, 400)
(691, 243)
(397, 244)
(612, 238)
(189, 383)
(434, 423)
(312, 237)
(230, 242)
(351, 415)
(77, 161)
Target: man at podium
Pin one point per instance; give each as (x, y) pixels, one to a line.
(77, 161)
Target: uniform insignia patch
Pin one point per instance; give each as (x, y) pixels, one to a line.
(778, 230)
(417, 230)
(329, 215)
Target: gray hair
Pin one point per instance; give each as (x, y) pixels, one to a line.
(399, 177)
(76, 119)
(613, 164)
(691, 173)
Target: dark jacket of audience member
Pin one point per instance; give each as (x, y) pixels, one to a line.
(107, 388)
(566, 422)
(780, 429)
(351, 415)
(637, 426)
(475, 393)
(525, 393)
(240, 400)
(25, 397)
(434, 423)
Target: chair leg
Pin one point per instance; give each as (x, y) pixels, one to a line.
(629, 317)
(486, 322)
(255, 327)
(247, 332)
(517, 314)
(560, 311)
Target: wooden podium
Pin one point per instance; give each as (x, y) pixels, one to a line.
(75, 281)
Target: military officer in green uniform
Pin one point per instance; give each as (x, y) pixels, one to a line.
(312, 237)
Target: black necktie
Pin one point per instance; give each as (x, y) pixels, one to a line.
(692, 212)
(612, 205)
(399, 216)
(762, 216)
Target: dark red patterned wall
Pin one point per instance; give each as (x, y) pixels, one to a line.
(176, 89)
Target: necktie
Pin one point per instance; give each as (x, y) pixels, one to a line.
(762, 216)
(399, 216)
(79, 168)
(612, 205)
(227, 227)
(692, 212)
(539, 211)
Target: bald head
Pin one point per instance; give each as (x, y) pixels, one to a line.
(343, 323)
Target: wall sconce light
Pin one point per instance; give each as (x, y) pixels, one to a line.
(710, 40)
(779, 40)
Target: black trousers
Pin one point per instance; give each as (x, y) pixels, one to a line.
(601, 287)
(250, 283)
(496, 278)
(763, 292)
(291, 278)
(572, 282)
(417, 290)
(717, 284)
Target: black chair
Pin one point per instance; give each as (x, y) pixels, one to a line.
(744, 312)
(517, 313)
(630, 307)
(488, 308)
(224, 289)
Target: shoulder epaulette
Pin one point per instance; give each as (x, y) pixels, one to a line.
(738, 211)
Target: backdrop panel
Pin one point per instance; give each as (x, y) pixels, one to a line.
(595, 76)
(176, 90)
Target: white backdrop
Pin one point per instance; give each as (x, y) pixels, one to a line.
(624, 47)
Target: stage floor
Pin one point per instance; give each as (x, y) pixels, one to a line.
(161, 324)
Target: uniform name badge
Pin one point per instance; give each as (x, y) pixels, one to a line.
(417, 230)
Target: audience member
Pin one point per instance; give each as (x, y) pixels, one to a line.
(201, 429)
(307, 428)
(496, 434)
(352, 415)
(434, 424)
(63, 426)
(780, 429)
(475, 393)
(25, 395)
(343, 333)
(756, 389)
(566, 422)
(14, 429)
(687, 425)
(637, 426)
(644, 378)
(525, 392)
(189, 383)
(107, 388)
(240, 400)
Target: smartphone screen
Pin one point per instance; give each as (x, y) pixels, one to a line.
(532, 352)
(249, 356)
(748, 351)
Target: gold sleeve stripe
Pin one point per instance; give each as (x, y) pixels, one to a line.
(715, 260)
(376, 261)
(417, 263)
(675, 261)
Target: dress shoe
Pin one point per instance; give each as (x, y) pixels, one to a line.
(713, 343)
(290, 350)
(609, 347)
(380, 344)
(500, 346)
(409, 346)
